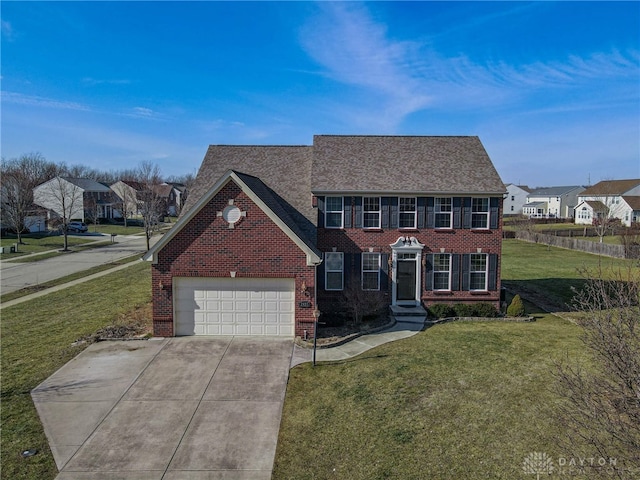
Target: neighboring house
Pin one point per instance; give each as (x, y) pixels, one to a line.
(127, 192)
(180, 197)
(614, 198)
(552, 202)
(170, 199)
(75, 198)
(271, 234)
(516, 199)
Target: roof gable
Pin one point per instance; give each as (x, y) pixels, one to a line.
(633, 202)
(402, 164)
(612, 187)
(554, 191)
(262, 196)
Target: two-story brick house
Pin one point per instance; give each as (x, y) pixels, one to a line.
(271, 233)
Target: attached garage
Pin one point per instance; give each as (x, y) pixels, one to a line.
(234, 306)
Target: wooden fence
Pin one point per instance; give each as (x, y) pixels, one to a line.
(616, 251)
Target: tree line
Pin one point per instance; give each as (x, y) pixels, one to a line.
(22, 174)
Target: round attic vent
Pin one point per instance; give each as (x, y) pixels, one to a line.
(231, 214)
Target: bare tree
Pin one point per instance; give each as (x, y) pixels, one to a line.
(128, 199)
(19, 177)
(62, 197)
(150, 200)
(601, 407)
(361, 303)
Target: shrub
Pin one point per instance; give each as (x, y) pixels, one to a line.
(516, 307)
(485, 309)
(464, 310)
(441, 310)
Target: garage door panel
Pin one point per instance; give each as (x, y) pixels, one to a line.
(231, 306)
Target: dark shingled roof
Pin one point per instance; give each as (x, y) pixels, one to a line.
(554, 191)
(280, 208)
(633, 202)
(384, 164)
(87, 184)
(611, 187)
(286, 170)
(403, 164)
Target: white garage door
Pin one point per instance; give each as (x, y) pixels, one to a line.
(234, 306)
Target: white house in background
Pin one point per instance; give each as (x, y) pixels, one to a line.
(515, 199)
(615, 198)
(74, 198)
(552, 202)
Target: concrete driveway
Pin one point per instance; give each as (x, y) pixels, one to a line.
(187, 408)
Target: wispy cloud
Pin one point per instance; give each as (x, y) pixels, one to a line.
(36, 101)
(354, 50)
(7, 30)
(95, 81)
(392, 79)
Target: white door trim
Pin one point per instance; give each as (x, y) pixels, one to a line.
(411, 246)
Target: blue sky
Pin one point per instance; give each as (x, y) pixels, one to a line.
(551, 88)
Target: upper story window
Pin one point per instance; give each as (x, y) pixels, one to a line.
(478, 271)
(480, 213)
(442, 271)
(444, 212)
(407, 212)
(333, 213)
(371, 212)
(333, 270)
(370, 271)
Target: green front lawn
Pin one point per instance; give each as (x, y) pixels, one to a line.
(457, 401)
(37, 242)
(550, 272)
(37, 338)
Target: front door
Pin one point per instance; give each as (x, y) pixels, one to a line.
(406, 279)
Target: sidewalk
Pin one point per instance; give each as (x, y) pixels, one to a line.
(403, 327)
(62, 286)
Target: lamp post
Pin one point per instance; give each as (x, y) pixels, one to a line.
(316, 316)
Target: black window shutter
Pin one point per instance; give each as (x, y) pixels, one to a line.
(384, 222)
(347, 212)
(466, 276)
(321, 212)
(466, 212)
(428, 278)
(393, 213)
(493, 271)
(431, 220)
(455, 272)
(356, 269)
(320, 274)
(384, 272)
(346, 270)
(494, 208)
(358, 211)
(421, 208)
(457, 212)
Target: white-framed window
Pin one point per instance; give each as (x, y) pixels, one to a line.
(371, 212)
(333, 270)
(407, 212)
(444, 212)
(442, 271)
(333, 212)
(479, 213)
(478, 271)
(370, 271)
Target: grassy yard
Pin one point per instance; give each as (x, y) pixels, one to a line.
(35, 243)
(37, 338)
(550, 272)
(457, 401)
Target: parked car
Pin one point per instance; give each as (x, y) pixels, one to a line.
(79, 227)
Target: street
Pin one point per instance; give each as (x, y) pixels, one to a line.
(15, 276)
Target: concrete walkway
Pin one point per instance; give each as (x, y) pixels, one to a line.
(404, 327)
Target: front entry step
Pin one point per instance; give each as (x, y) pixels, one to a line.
(408, 311)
